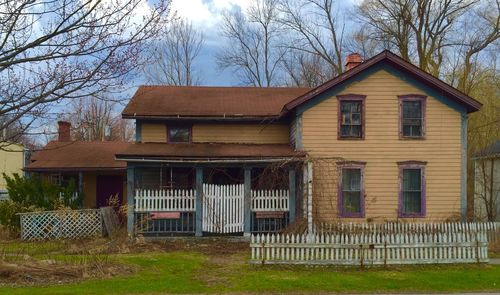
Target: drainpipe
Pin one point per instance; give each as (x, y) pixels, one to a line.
(199, 201)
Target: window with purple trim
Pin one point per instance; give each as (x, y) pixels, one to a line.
(351, 199)
(179, 134)
(412, 116)
(351, 118)
(412, 191)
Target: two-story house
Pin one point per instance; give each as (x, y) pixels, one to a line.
(385, 139)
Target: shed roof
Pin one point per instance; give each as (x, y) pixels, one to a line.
(77, 156)
(491, 151)
(210, 102)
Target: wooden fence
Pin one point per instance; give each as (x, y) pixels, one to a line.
(270, 200)
(165, 200)
(369, 249)
(63, 224)
(492, 229)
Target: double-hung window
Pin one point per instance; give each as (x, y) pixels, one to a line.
(412, 189)
(351, 191)
(351, 116)
(412, 116)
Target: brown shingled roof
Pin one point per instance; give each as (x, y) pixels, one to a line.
(201, 101)
(78, 155)
(210, 151)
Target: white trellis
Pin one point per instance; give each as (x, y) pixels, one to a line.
(369, 249)
(62, 224)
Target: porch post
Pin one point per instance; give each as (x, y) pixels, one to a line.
(130, 199)
(80, 186)
(293, 198)
(247, 201)
(199, 201)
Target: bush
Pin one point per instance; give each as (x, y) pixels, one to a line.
(27, 194)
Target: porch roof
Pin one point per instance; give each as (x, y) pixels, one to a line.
(77, 156)
(207, 152)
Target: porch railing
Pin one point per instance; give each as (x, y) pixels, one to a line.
(165, 200)
(270, 200)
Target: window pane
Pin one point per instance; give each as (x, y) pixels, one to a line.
(179, 134)
(412, 109)
(351, 202)
(412, 202)
(412, 190)
(351, 190)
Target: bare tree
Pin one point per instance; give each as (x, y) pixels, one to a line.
(420, 28)
(305, 70)
(68, 49)
(253, 49)
(96, 119)
(174, 56)
(316, 30)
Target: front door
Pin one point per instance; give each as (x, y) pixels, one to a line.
(108, 186)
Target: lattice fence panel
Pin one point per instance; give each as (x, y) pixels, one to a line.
(64, 224)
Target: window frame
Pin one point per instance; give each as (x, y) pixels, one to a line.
(412, 165)
(347, 98)
(173, 126)
(351, 165)
(423, 101)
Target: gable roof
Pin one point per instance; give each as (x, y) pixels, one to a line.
(210, 102)
(491, 151)
(470, 104)
(77, 156)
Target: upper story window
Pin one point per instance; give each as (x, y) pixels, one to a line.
(412, 189)
(179, 134)
(351, 116)
(351, 190)
(412, 116)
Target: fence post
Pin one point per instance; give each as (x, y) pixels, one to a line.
(247, 199)
(199, 201)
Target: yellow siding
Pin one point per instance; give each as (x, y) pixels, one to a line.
(240, 133)
(11, 161)
(382, 149)
(153, 132)
(227, 133)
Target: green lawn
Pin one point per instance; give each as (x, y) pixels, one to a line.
(194, 272)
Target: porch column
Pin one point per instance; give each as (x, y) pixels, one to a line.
(247, 201)
(80, 186)
(199, 201)
(292, 198)
(130, 199)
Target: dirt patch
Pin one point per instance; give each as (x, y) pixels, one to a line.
(215, 246)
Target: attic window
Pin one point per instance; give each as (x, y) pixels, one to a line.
(412, 116)
(351, 116)
(179, 134)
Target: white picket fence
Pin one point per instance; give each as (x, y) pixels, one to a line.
(270, 200)
(369, 249)
(62, 224)
(223, 208)
(165, 200)
(492, 229)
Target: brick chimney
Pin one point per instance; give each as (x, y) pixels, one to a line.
(353, 60)
(64, 131)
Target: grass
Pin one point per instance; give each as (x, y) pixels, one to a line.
(194, 272)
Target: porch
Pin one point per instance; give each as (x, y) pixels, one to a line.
(211, 199)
